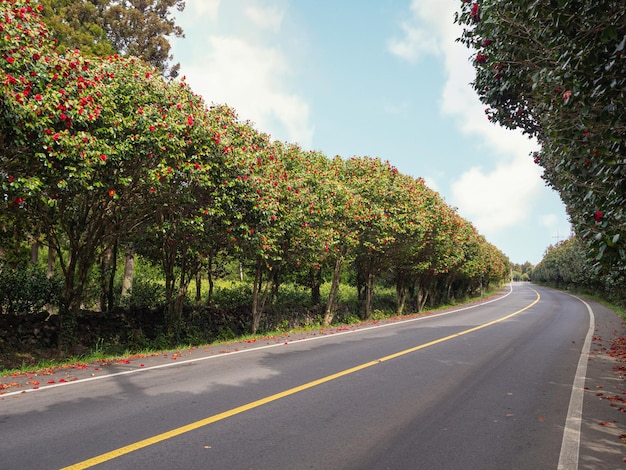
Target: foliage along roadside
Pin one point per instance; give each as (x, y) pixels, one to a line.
(101, 154)
(46, 362)
(557, 72)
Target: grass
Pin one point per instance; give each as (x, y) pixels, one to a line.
(37, 360)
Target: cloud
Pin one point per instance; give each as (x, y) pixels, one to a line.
(239, 67)
(265, 18)
(422, 33)
(207, 8)
(495, 199)
(412, 45)
(499, 198)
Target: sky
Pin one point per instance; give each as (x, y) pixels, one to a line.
(377, 78)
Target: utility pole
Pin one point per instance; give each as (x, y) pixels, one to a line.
(558, 238)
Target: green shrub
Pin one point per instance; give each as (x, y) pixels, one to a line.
(145, 293)
(27, 290)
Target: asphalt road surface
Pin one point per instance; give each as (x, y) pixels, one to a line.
(498, 385)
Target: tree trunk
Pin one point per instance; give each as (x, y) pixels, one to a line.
(401, 295)
(422, 297)
(107, 276)
(369, 296)
(334, 291)
(51, 262)
(210, 279)
(258, 300)
(256, 316)
(129, 271)
(34, 250)
(316, 284)
(198, 285)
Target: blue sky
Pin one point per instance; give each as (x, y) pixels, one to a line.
(380, 78)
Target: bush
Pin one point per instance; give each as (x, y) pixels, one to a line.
(27, 290)
(145, 294)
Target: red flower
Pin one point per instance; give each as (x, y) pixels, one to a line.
(474, 11)
(103, 158)
(10, 60)
(598, 216)
(481, 58)
(111, 192)
(567, 95)
(38, 97)
(190, 120)
(11, 179)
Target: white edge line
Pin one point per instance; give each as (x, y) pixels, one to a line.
(570, 446)
(241, 351)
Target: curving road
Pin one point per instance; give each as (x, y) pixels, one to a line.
(498, 385)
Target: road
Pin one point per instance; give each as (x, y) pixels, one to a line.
(486, 387)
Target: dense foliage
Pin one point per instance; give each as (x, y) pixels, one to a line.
(557, 71)
(104, 27)
(101, 154)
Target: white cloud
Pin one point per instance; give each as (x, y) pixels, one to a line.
(265, 18)
(429, 23)
(239, 59)
(495, 199)
(412, 45)
(499, 198)
(207, 8)
(253, 80)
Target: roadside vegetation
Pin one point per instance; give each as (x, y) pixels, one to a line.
(134, 216)
(557, 72)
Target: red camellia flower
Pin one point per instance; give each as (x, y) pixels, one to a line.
(474, 11)
(111, 192)
(190, 120)
(566, 95)
(481, 58)
(103, 158)
(598, 216)
(38, 97)
(11, 179)
(10, 60)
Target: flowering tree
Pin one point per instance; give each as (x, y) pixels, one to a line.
(82, 138)
(557, 72)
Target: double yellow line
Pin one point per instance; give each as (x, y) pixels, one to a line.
(263, 401)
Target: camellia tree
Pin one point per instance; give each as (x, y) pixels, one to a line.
(82, 140)
(557, 71)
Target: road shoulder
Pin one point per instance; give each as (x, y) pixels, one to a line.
(603, 427)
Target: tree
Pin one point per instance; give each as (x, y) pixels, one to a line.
(138, 28)
(78, 24)
(82, 139)
(557, 71)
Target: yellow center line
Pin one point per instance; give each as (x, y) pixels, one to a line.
(263, 401)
